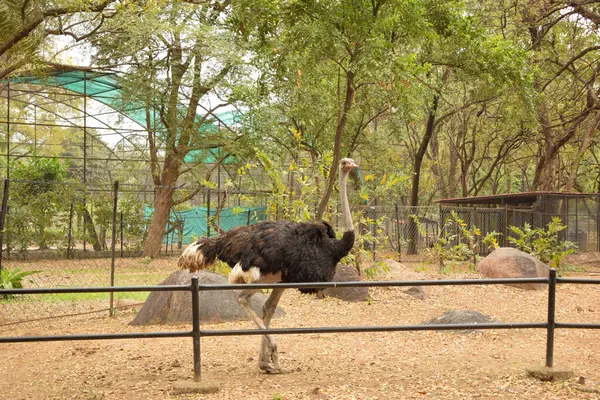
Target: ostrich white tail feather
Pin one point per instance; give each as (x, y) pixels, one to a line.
(238, 275)
(193, 258)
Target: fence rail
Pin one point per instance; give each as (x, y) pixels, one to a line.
(196, 333)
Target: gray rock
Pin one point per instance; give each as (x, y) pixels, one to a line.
(400, 272)
(215, 305)
(455, 317)
(345, 273)
(507, 262)
(416, 291)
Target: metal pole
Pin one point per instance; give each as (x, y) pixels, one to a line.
(3, 212)
(398, 231)
(34, 129)
(84, 154)
(70, 237)
(196, 327)
(121, 230)
(113, 242)
(219, 197)
(208, 213)
(8, 131)
(551, 319)
(248, 223)
(84, 128)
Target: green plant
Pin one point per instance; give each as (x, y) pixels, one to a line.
(491, 239)
(543, 243)
(450, 247)
(13, 279)
(146, 260)
(376, 269)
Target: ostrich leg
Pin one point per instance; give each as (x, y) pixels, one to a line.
(268, 352)
(244, 302)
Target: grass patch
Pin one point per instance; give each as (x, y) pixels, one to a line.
(75, 297)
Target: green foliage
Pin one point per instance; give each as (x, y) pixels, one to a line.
(38, 193)
(376, 270)
(491, 240)
(450, 246)
(543, 243)
(219, 267)
(13, 279)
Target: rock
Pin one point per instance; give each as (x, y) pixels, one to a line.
(190, 387)
(399, 272)
(215, 305)
(416, 291)
(551, 374)
(455, 317)
(507, 262)
(345, 273)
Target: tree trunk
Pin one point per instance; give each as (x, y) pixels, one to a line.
(413, 233)
(162, 208)
(337, 149)
(91, 230)
(577, 157)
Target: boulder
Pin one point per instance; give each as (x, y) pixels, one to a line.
(346, 273)
(215, 305)
(455, 317)
(507, 262)
(400, 272)
(416, 291)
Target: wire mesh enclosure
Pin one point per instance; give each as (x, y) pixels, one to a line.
(579, 212)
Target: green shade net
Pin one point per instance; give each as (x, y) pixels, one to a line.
(104, 88)
(195, 221)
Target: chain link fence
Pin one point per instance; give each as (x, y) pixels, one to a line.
(66, 235)
(70, 235)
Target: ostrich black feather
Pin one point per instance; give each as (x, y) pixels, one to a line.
(300, 252)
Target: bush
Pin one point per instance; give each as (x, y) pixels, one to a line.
(543, 243)
(13, 279)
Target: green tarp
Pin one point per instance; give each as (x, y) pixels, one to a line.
(105, 88)
(194, 221)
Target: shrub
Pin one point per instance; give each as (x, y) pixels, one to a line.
(543, 243)
(13, 279)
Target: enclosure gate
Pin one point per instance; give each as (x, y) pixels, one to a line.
(196, 333)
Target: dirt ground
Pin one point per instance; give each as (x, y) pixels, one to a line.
(423, 365)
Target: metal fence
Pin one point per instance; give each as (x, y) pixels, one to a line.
(196, 333)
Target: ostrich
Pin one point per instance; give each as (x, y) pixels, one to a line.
(275, 252)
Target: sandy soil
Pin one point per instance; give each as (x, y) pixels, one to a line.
(422, 365)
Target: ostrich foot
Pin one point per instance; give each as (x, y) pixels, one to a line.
(269, 357)
(269, 369)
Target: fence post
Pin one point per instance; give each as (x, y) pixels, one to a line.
(121, 230)
(248, 222)
(398, 232)
(3, 212)
(551, 318)
(112, 246)
(70, 235)
(208, 213)
(196, 328)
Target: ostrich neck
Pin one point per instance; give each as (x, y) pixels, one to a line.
(346, 215)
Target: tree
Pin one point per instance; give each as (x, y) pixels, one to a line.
(26, 24)
(178, 59)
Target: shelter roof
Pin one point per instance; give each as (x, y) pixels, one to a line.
(512, 198)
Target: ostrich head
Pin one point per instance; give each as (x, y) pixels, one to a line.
(346, 165)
